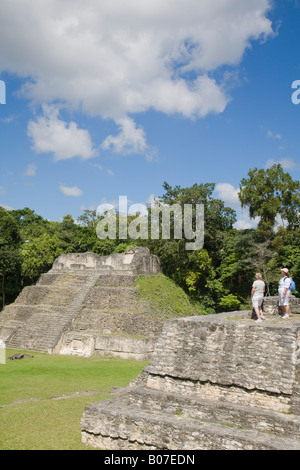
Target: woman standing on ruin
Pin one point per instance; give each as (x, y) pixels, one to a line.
(284, 292)
(257, 296)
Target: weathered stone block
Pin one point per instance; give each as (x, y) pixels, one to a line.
(124, 347)
(137, 260)
(270, 305)
(77, 344)
(228, 353)
(109, 298)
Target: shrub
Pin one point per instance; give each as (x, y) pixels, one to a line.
(229, 302)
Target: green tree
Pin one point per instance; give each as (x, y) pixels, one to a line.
(38, 255)
(271, 193)
(286, 245)
(195, 271)
(68, 234)
(235, 271)
(10, 262)
(217, 217)
(29, 223)
(88, 218)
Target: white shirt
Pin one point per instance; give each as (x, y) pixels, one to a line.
(284, 283)
(259, 288)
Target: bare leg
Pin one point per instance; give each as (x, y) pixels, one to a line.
(261, 313)
(258, 312)
(285, 310)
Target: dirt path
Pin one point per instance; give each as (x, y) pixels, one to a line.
(63, 397)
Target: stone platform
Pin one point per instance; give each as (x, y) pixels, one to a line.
(213, 382)
(270, 305)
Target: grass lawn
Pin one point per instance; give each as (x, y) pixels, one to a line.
(44, 397)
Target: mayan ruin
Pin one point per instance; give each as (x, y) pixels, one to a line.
(81, 306)
(213, 383)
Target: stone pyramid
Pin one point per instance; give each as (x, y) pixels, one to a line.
(82, 293)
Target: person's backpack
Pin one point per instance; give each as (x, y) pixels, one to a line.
(293, 285)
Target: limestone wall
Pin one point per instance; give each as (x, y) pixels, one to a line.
(76, 343)
(270, 305)
(228, 352)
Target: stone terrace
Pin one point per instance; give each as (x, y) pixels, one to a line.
(215, 382)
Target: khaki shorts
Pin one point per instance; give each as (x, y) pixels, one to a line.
(257, 300)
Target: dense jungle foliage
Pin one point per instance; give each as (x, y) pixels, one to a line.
(218, 276)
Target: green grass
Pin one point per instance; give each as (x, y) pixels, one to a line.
(166, 299)
(46, 423)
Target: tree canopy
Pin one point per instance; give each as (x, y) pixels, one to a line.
(10, 260)
(270, 194)
(218, 276)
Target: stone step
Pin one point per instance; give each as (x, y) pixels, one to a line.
(36, 295)
(107, 298)
(221, 412)
(87, 271)
(42, 329)
(59, 279)
(116, 280)
(116, 425)
(118, 320)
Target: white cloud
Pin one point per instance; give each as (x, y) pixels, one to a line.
(229, 194)
(8, 119)
(274, 136)
(2, 190)
(130, 140)
(286, 163)
(73, 191)
(97, 165)
(6, 207)
(116, 59)
(31, 170)
(243, 224)
(152, 200)
(50, 134)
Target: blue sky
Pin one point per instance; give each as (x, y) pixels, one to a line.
(113, 98)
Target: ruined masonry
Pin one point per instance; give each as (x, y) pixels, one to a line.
(218, 382)
(85, 305)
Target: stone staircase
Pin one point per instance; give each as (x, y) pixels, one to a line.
(145, 419)
(43, 329)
